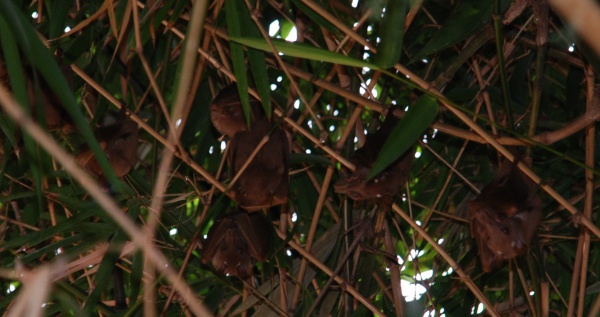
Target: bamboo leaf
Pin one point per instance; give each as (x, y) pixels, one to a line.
(60, 10)
(234, 29)
(303, 51)
(39, 56)
(417, 119)
(106, 269)
(392, 34)
(314, 16)
(257, 62)
(469, 17)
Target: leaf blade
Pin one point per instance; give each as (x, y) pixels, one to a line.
(234, 28)
(303, 51)
(418, 118)
(389, 49)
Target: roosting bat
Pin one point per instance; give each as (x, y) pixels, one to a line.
(265, 181)
(119, 142)
(387, 183)
(505, 216)
(226, 111)
(235, 242)
(54, 115)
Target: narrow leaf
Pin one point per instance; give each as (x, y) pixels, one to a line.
(234, 29)
(316, 18)
(60, 10)
(257, 62)
(40, 58)
(392, 34)
(303, 51)
(418, 118)
(469, 17)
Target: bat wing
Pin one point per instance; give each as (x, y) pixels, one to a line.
(257, 232)
(226, 248)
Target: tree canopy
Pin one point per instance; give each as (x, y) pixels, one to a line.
(98, 218)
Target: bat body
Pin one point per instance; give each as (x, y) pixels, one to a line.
(39, 93)
(226, 111)
(505, 216)
(236, 241)
(265, 181)
(55, 116)
(119, 142)
(386, 184)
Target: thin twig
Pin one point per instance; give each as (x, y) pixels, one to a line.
(11, 107)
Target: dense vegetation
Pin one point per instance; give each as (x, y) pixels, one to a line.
(475, 82)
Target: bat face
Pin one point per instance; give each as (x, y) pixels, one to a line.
(498, 238)
(226, 111)
(265, 182)
(504, 217)
(236, 241)
(119, 142)
(387, 183)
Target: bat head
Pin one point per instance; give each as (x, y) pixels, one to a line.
(226, 111)
(504, 217)
(498, 237)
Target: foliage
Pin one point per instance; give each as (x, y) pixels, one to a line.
(496, 86)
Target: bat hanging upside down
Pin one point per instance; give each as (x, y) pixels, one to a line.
(119, 142)
(236, 241)
(505, 216)
(265, 181)
(384, 185)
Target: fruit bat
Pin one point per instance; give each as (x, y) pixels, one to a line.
(119, 142)
(384, 185)
(54, 115)
(505, 216)
(265, 181)
(226, 111)
(236, 241)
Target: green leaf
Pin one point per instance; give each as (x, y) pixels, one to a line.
(107, 268)
(234, 29)
(257, 62)
(12, 58)
(303, 51)
(316, 18)
(392, 33)
(469, 17)
(40, 58)
(36, 237)
(58, 16)
(417, 119)
(135, 280)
